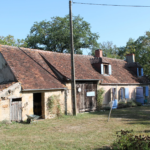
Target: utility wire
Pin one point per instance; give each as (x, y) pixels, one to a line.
(110, 4)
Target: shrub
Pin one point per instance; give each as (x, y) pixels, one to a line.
(131, 104)
(53, 105)
(138, 104)
(106, 108)
(100, 98)
(128, 141)
(122, 104)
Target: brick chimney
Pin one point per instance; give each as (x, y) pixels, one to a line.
(130, 58)
(98, 53)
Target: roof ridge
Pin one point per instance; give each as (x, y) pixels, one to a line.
(113, 58)
(45, 51)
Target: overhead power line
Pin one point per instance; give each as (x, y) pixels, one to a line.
(110, 4)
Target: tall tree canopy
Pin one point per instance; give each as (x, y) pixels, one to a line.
(10, 40)
(109, 49)
(54, 35)
(141, 49)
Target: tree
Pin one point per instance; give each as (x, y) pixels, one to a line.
(128, 49)
(141, 49)
(109, 50)
(10, 40)
(54, 35)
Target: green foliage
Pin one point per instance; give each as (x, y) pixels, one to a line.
(54, 35)
(109, 50)
(58, 109)
(106, 108)
(128, 141)
(138, 104)
(141, 49)
(100, 97)
(122, 104)
(10, 40)
(50, 103)
(53, 105)
(131, 104)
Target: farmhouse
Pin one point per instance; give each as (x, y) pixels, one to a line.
(28, 77)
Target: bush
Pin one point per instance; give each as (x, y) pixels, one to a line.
(128, 141)
(131, 104)
(138, 104)
(100, 98)
(53, 105)
(122, 104)
(106, 108)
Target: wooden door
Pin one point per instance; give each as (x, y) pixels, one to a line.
(16, 111)
(86, 96)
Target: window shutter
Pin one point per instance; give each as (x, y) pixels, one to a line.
(102, 69)
(126, 92)
(142, 72)
(138, 72)
(146, 91)
(109, 69)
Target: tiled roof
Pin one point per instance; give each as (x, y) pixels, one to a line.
(84, 70)
(32, 70)
(29, 68)
(121, 73)
(62, 62)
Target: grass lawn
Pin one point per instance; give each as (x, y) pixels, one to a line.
(85, 131)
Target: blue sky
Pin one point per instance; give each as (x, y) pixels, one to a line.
(116, 24)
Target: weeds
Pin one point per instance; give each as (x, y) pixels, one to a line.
(128, 141)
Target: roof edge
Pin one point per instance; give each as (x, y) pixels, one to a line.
(26, 90)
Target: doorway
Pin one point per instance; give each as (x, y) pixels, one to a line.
(37, 104)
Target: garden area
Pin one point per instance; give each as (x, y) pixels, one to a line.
(84, 131)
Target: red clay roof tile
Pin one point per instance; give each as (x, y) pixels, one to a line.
(34, 73)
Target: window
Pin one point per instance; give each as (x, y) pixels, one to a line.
(140, 72)
(124, 93)
(16, 99)
(106, 69)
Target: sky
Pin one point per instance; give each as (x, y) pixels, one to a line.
(115, 24)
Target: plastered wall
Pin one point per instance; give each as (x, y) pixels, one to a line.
(69, 99)
(108, 93)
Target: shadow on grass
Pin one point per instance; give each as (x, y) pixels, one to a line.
(146, 131)
(104, 148)
(132, 115)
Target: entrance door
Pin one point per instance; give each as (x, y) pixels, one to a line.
(16, 109)
(86, 96)
(37, 104)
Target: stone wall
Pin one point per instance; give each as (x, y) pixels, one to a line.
(4, 110)
(61, 97)
(15, 92)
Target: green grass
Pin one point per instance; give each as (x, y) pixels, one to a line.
(85, 131)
